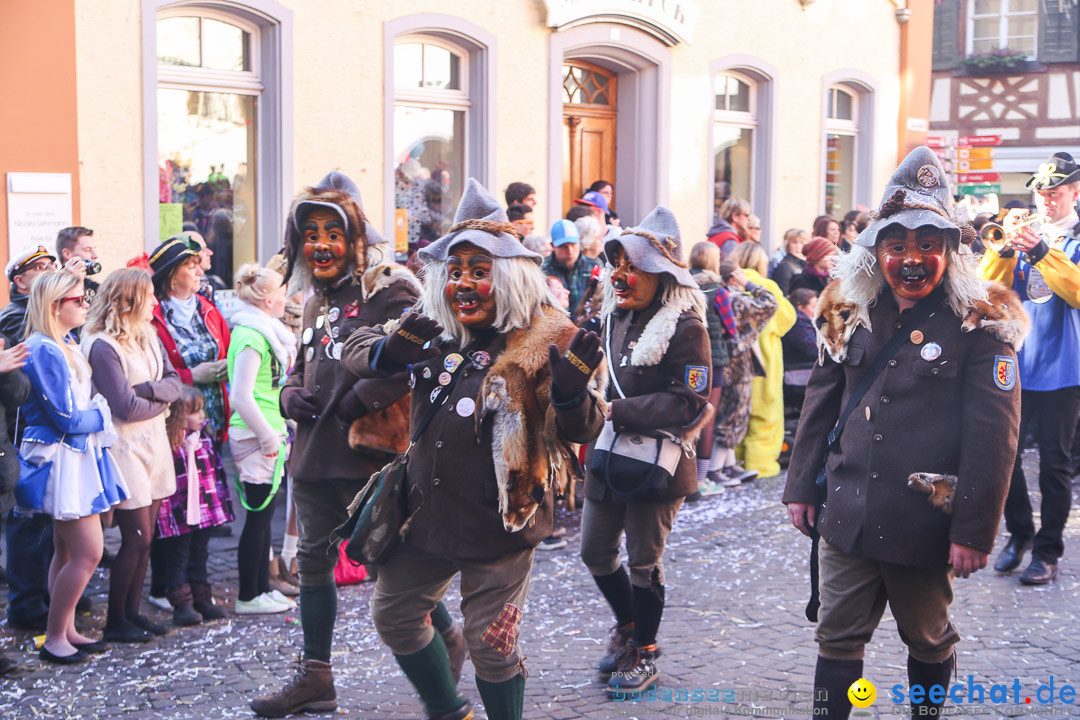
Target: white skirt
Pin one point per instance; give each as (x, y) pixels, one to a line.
(80, 483)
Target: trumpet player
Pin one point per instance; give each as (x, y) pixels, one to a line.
(1042, 267)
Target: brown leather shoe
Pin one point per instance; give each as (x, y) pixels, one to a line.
(1039, 572)
(312, 690)
(454, 638)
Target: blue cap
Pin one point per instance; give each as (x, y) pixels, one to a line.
(595, 199)
(563, 232)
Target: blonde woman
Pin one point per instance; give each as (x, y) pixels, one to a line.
(129, 369)
(66, 470)
(261, 352)
(765, 435)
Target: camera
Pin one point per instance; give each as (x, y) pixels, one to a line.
(93, 267)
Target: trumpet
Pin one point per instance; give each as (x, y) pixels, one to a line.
(996, 237)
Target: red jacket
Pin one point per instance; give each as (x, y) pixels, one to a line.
(215, 323)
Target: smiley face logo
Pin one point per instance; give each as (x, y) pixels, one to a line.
(862, 693)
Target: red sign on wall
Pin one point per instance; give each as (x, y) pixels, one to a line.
(984, 177)
(980, 140)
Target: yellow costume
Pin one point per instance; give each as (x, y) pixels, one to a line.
(765, 435)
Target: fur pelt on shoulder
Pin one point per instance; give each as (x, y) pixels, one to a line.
(381, 276)
(531, 457)
(294, 239)
(1001, 314)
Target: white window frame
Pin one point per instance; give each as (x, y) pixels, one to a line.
(741, 119)
(270, 77)
(1003, 27)
(863, 90)
(476, 49)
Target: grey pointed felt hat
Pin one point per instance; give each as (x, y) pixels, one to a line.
(478, 204)
(659, 224)
(918, 194)
(341, 182)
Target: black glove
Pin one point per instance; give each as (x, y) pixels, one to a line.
(570, 371)
(298, 404)
(405, 346)
(350, 408)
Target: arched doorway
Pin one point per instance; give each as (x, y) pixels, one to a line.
(590, 115)
(625, 75)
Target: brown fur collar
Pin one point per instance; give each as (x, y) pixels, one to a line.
(294, 239)
(531, 456)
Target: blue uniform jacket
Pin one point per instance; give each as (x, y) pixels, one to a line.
(49, 414)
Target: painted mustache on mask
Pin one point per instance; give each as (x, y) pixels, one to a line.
(620, 285)
(322, 256)
(467, 297)
(913, 272)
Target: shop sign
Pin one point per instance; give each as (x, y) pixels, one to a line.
(980, 189)
(672, 21)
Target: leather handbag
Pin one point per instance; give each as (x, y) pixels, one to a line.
(638, 466)
(379, 514)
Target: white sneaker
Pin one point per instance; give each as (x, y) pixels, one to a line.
(161, 603)
(280, 597)
(260, 605)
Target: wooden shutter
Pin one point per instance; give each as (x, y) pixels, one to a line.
(1058, 30)
(946, 34)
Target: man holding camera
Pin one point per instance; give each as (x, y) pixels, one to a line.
(1042, 269)
(75, 248)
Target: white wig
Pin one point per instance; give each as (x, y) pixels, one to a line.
(671, 293)
(521, 293)
(861, 278)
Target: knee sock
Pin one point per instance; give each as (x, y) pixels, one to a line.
(440, 618)
(505, 700)
(288, 550)
(648, 609)
(318, 610)
(832, 678)
(429, 672)
(616, 590)
(928, 675)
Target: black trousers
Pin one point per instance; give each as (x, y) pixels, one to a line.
(1057, 412)
(186, 557)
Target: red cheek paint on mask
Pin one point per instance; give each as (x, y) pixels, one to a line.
(632, 281)
(483, 288)
(451, 290)
(893, 263)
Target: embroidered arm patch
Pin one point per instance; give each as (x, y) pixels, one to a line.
(697, 377)
(1005, 372)
(502, 634)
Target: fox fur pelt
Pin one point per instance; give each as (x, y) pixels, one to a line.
(1001, 314)
(385, 430)
(531, 457)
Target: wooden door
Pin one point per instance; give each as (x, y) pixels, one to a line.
(589, 122)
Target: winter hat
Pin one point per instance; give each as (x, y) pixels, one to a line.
(482, 221)
(655, 246)
(817, 248)
(340, 182)
(917, 195)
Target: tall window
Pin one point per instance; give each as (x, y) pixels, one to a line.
(734, 125)
(841, 138)
(1003, 25)
(431, 120)
(207, 105)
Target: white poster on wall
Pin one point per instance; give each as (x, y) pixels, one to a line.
(39, 205)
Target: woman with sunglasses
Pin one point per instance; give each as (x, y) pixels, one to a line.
(66, 470)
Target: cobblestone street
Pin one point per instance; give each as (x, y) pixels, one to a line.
(736, 588)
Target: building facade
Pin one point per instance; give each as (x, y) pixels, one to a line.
(1008, 69)
(212, 114)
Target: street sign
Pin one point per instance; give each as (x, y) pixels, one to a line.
(936, 141)
(966, 166)
(974, 153)
(982, 177)
(942, 153)
(980, 140)
(980, 189)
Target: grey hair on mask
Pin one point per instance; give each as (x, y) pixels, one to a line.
(671, 293)
(861, 279)
(520, 289)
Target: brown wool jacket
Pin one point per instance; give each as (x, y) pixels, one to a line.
(453, 490)
(946, 415)
(321, 447)
(657, 396)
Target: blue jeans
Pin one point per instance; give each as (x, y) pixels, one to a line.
(29, 552)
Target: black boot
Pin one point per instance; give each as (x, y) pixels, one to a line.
(832, 678)
(202, 595)
(928, 675)
(183, 613)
